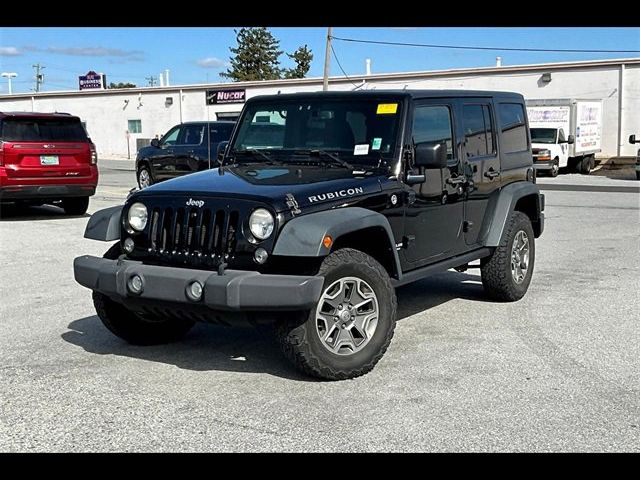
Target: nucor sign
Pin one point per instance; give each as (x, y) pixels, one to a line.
(225, 96)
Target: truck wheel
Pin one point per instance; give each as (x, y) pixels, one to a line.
(131, 327)
(352, 325)
(75, 205)
(587, 164)
(144, 177)
(555, 168)
(506, 274)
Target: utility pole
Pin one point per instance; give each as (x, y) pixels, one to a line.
(9, 76)
(39, 78)
(327, 61)
(152, 80)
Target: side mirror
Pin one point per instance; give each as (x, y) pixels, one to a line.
(571, 139)
(430, 155)
(222, 147)
(155, 143)
(632, 139)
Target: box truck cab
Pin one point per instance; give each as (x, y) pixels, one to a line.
(565, 133)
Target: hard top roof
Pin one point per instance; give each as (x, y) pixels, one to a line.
(414, 94)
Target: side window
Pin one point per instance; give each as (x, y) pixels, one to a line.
(192, 135)
(478, 130)
(561, 137)
(433, 124)
(513, 126)
(172, 137)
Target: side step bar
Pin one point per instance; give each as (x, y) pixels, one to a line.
(442, 266)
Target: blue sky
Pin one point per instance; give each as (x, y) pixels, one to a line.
(197, 55)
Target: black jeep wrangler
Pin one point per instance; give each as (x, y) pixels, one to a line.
(324, 203)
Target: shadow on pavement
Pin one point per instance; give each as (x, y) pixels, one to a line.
(254, 350)
(17, 212)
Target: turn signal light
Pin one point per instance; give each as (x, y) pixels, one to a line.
(327, 241)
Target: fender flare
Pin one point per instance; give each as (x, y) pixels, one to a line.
(104, 225)
(501, 204)
(302, 236)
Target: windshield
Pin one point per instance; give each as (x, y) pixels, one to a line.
(42, 130)
(358, 131)
(543, 135)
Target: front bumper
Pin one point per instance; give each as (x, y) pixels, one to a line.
(543, 165)
(235, 290)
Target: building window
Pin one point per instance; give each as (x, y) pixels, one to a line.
(135, 126)
(514, 128)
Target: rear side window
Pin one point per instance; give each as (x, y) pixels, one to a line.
(478, 130)
(221, 132)
(514, 128)
(42, 130)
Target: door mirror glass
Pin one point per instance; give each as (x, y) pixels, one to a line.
(431, 155)
(632, 139)
(571, 139)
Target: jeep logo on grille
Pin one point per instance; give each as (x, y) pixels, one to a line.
(195, 203)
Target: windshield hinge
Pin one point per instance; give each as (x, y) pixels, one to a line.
(292, 203)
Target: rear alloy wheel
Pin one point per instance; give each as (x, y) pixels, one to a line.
(75, 205)
(144, 177)
(350, 328)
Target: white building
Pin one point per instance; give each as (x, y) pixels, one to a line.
(120, 120)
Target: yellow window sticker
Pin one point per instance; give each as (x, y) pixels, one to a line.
(387, 108)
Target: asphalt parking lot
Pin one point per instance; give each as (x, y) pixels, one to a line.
(556, 371)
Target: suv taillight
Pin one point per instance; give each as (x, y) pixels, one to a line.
(94, 154)
(1, 153)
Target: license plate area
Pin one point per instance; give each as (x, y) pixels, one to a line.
(49, 160)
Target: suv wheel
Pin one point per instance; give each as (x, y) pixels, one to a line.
(352, 325)
(506, 274)
(144, 177)
(132, 327)
(75, 205)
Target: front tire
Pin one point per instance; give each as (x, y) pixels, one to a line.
(131, 327)
(507, 273)
(144, 177)
(555, 168)
(350, 329)
(75, 205)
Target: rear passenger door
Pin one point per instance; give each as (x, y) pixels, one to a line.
(481, 162)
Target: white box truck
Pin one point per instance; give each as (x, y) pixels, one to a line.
(565, 133)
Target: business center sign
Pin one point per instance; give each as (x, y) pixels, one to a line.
(92, 81)
(216, 97)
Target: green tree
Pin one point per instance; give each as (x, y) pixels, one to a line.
(255, 57)
(303, 58)
(122, 85)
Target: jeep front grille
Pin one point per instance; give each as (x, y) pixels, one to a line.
(193, 232)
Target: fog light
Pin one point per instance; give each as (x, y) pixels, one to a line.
(128, 245)
(135, 284)
(260, 256)
(194, 291)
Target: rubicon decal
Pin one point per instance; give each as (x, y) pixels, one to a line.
(347, 192)
(195, 203)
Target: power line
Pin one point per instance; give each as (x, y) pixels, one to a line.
(467, 47)
(339, 65)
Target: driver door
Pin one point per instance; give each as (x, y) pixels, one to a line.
(163, 159)
(434, 215)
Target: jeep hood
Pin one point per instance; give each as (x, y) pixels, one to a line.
(309, 185)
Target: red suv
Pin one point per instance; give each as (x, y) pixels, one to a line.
(45, 158)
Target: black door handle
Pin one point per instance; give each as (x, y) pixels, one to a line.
(491, 173)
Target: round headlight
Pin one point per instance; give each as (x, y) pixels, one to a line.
(137, 216)
(261, 223)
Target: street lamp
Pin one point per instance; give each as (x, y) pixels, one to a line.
(9, 76)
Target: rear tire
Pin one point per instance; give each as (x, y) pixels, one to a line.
(337, 339)
(131, 327)
(75, 205)
(587, 164)
(506, 274)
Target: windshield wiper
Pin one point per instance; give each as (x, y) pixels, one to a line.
(330, 155)
(255, 151)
